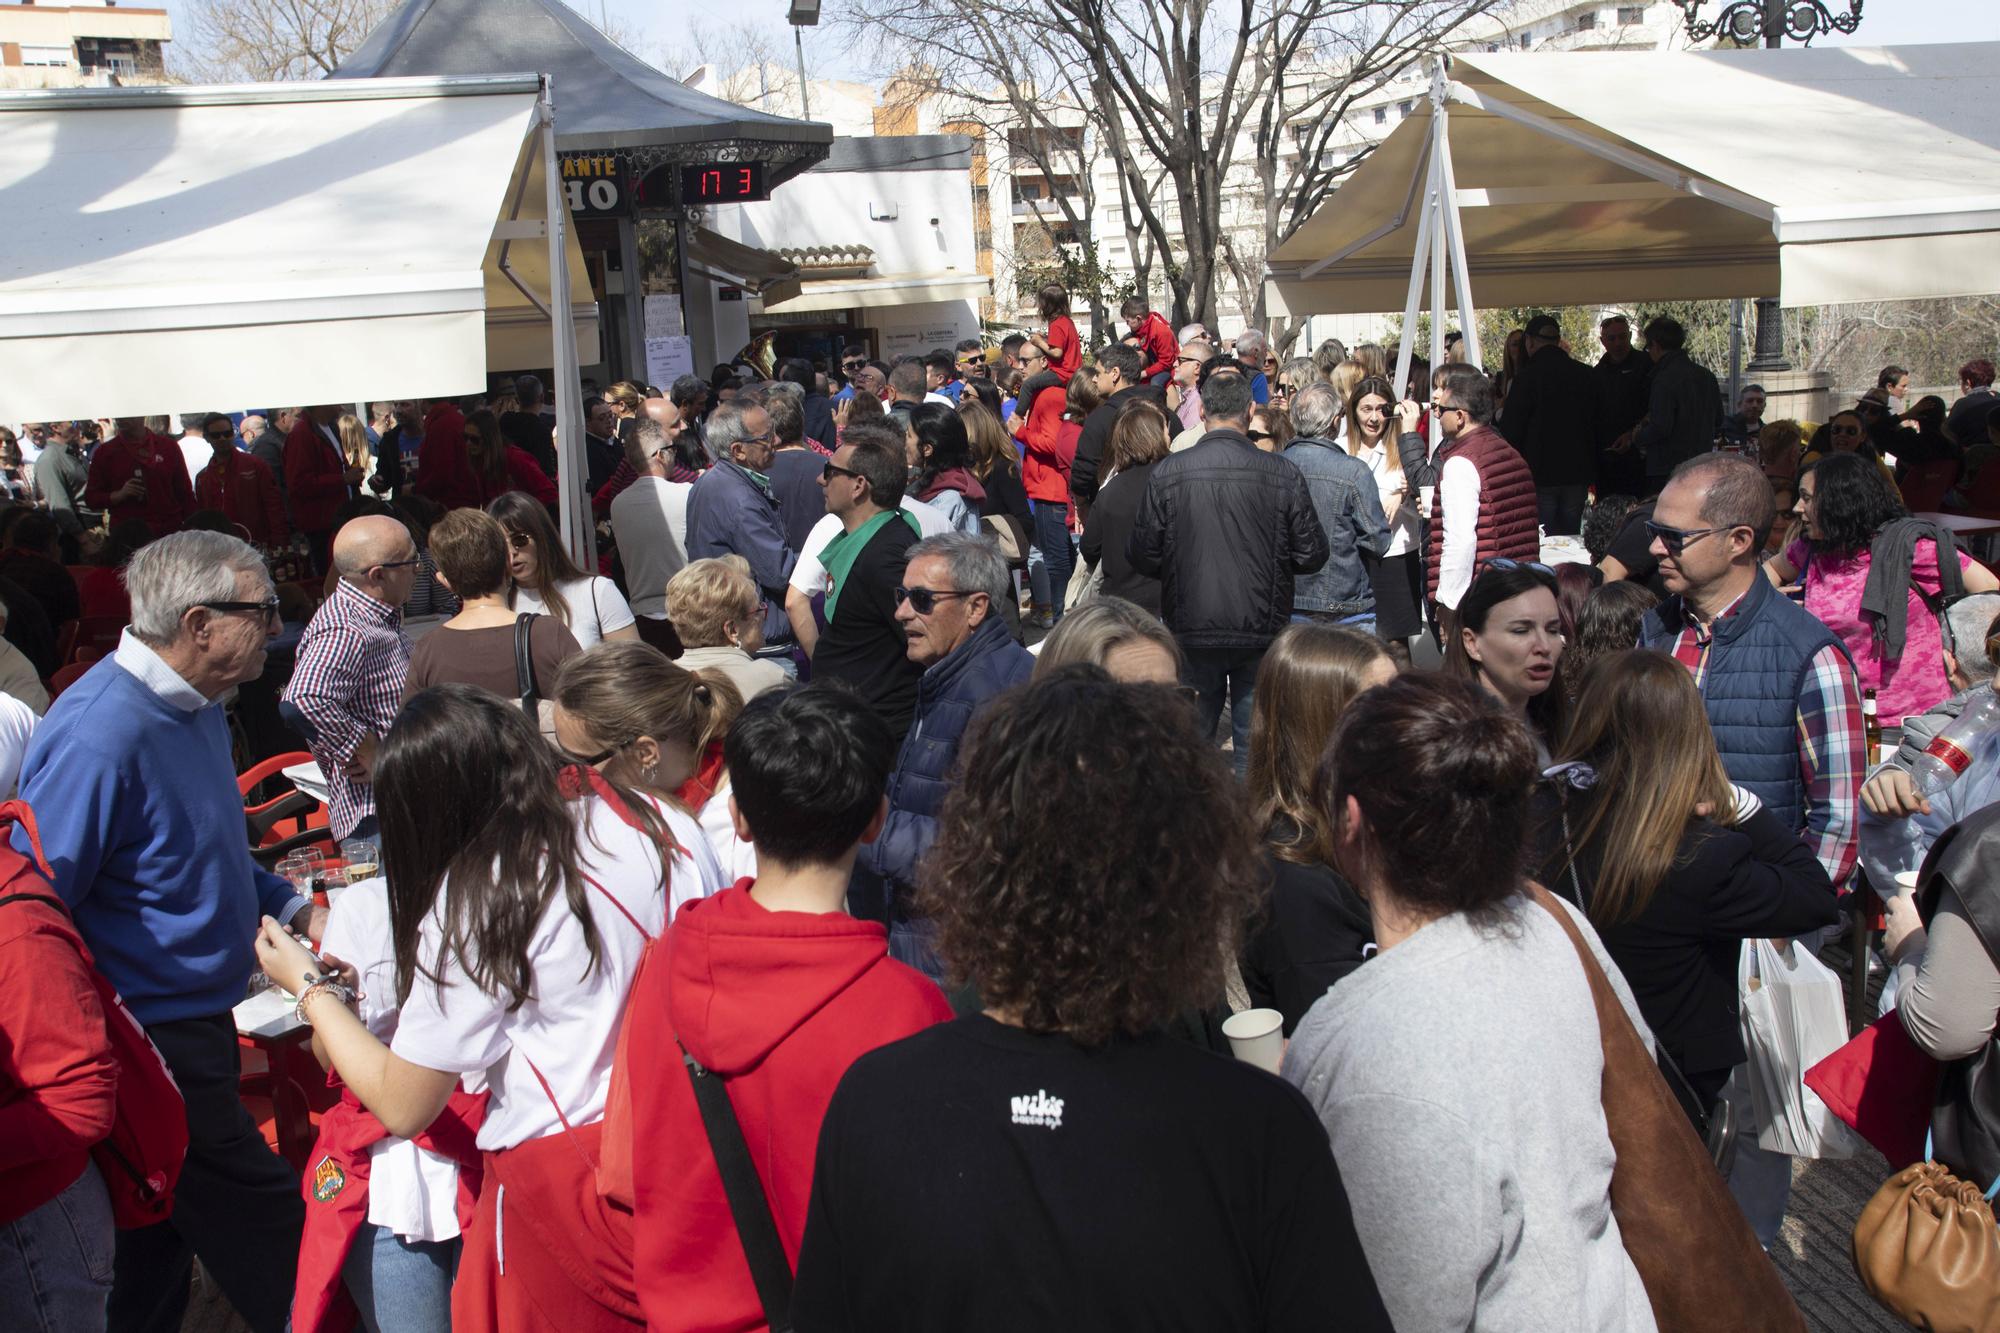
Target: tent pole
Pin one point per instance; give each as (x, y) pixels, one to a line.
(1418, 258)
(1440, 237)
(1454, 234)
(579, 535)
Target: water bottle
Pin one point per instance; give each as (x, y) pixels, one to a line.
(1949, 754)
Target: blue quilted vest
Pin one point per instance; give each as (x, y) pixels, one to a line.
(1756, 665)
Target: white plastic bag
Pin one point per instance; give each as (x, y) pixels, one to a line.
(1793, 1017)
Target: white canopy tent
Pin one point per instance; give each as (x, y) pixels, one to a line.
(189, 249)
(1816, 175)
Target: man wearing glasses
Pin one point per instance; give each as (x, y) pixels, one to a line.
(1781, 694)
(732, 510)
(352, 662)
(240, 486)
(1486, 506)
(142, 825)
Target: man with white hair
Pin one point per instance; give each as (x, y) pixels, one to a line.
(1251, 349)
(732, 510)
(135, 792)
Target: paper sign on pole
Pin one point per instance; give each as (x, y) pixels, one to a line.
(669, 358)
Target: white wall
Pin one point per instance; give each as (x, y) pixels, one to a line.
(931, 232)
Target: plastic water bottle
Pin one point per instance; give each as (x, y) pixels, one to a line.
(1950, 752)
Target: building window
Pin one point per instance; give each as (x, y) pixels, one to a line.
(1381, 115)
(1404, 108)
(1586, 20)
(1631, 16)
(45, 55)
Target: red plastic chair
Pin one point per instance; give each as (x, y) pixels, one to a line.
(98, 632)
(67, 676)
(258, 774)
(1924, 485)
(284, 816)
(85, 656)
(65, 641)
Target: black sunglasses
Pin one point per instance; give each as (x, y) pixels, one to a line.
(924, 600)
(267, 609)
(592, 760)
(1677, 539)
(1256, 435)
(831, 470)
(412, 562)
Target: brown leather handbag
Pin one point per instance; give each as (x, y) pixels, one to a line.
(1927, 1248)
(1697, 1256)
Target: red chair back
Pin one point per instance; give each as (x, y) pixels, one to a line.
(67, 676)
(65, 641)
(99, 632)
(1924, 485)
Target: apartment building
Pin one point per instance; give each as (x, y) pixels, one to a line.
(82, 44)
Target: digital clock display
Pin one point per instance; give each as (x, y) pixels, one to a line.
(723, 182)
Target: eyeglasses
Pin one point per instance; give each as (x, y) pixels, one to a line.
(924, 600)
(1677, 539)
(830, 471)
(519, 541)
(1503, 565)
(593, 760)
(411, 563)
(855, 364)
(222, 434)
(268, 610)
(1256, 435)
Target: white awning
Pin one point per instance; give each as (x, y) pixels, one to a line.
(185, 249)
(1817, 175)
(908, 289)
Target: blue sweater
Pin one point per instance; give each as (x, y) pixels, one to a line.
(141, 821)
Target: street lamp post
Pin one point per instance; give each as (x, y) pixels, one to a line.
(1745, 22)
(802, 15)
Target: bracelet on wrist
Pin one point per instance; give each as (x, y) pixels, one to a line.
(313, 987)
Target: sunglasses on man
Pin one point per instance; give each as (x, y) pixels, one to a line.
(1677, 540)
(924, 600)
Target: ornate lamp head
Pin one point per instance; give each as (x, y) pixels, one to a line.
(1749, 22)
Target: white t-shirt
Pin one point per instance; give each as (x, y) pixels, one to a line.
(650, 520)
(809, 575)
(737, 857)
(568, 1026)
(17, 725)
(1403, 527)
(197, 453)
(596, 608)
(411, 1190)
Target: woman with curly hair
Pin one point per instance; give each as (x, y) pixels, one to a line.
(1057, 1160)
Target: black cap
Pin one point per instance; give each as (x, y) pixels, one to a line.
(1544, 326)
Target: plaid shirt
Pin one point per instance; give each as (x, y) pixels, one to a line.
(352, 661)
(1832, 745)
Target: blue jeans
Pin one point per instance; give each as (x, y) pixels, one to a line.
(1218, 671)
(399, 1284)
(55, 1263)
(1058, 556)
(1364, 621)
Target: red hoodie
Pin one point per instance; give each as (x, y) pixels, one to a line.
(779, 1004)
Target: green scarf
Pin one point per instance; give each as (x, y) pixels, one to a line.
(841, 553)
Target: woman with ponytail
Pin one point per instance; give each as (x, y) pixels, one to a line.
(523, 891)
(658, 729)
(1459, 1072)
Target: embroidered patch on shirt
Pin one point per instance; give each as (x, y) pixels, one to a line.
(1040, 1109)
(329, 1179)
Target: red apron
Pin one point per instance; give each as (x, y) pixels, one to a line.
(336, 1189)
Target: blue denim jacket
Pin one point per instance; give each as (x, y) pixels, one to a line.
(1349, 506)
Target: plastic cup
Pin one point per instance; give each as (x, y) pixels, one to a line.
(1906, 881)
(1257, 1036)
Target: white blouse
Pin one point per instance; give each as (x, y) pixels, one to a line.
(1389, 483)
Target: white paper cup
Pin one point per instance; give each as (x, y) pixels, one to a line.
(1257, 1036)
(1906, 881)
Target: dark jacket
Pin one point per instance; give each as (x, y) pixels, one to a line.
(795, 475)
(1097, 434)
(1313, 933)
(1759, 880)
(1555, 417)
(732, 513)
(948, 696)
(534, 433)
(1750, 687)
(817, 409)
(1349, 506)
(1226, 528)
(1683, 410)
(1108, 528)
(269, 449)
(1623, 389)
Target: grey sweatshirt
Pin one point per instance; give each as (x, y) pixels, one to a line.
(1458, 1076)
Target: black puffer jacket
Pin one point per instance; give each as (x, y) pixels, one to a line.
(1226, 527)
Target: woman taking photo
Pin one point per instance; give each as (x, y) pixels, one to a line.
(1645, 834)
(1399, 575)
(625, 710)
(548, 583)
(521, 897)
(1138, 441)
(1129, 1179)
(940, 460)
(1510, 645)
(1315, 928)
(1472, 1142)
(1852, 517)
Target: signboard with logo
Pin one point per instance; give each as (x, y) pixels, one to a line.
(598, 184)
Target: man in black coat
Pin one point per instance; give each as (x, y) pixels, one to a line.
(1683, 407)
(1624, 382)
(1118, 384)
(1226, 528)
(1554, 417)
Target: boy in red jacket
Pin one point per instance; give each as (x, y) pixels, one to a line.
(772, 987)
(1156, 340)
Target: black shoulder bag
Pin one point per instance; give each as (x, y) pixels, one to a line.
(748, 1204)
(524, 667)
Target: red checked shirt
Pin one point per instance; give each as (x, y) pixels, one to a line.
(1832, 745)
(352, 662)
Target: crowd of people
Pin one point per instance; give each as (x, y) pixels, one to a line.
(823, 909)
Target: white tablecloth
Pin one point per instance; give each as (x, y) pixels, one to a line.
(308, 779)
(268, 1013)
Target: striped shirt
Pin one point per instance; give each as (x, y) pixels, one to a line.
(352, 662)
(1832, 745)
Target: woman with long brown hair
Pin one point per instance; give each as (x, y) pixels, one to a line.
(1674, 866)
(498, 467)
(1316, 925)
(354, 447)
(548, 583)
(1139, 439)
(522, 894)
(1398, 577)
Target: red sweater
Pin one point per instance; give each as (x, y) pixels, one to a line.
(1160, 346)
(1049, 449)
(315, 476)
(169, 495)
(444, 473)
(1065, 347)
(523, 474)
(242, 487)
(57, 1079)
(779, 1004)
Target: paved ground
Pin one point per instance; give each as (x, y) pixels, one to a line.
(1812, 1252)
